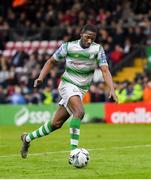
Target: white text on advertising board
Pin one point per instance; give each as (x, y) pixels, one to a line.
(139, 115)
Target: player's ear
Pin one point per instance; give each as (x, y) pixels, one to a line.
(81, 34)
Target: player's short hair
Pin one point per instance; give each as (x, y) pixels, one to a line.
(89, 27)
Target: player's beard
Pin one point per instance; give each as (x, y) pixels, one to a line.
(84, 45)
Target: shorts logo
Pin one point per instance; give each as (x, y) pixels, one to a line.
(75, 90)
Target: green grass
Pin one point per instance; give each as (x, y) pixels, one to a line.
(116, 151)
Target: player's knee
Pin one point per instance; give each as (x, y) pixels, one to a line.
(56, 125)
(79, 114)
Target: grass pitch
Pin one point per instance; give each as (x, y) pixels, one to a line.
(116, 151)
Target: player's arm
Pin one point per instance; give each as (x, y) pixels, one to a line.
(45, 70)
(106, 73)
(58, 55)
(108, 79)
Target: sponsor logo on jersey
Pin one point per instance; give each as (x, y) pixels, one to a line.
(76, 55)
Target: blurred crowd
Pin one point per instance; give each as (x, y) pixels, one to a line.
(121, 25)
(17, 76)
(139, 90)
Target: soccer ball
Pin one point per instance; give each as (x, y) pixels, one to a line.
(79, 157)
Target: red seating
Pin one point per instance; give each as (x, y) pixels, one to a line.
(30, 46)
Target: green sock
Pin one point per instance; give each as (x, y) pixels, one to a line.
(74, 132)
(42, 131)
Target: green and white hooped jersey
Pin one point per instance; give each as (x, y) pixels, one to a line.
(80, 63)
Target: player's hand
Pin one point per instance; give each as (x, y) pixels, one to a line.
(112, 96)
(37, 83)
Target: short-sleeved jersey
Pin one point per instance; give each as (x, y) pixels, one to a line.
(80, 63)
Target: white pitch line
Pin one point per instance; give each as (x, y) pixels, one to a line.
(3, 145)
(122, 147)
(96, 149)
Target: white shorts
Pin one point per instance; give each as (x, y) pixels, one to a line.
(67, 90)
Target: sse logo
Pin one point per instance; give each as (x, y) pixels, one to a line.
(24, 115)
